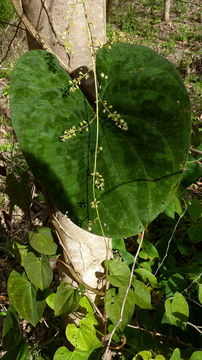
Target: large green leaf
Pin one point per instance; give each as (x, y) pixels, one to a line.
(119, 272)
(23, 297)
(38, 270)
(140, 167)
(66, 299)
(84, 337)
(42, 241)
(177, 310)
(113, 306)
(142, 295)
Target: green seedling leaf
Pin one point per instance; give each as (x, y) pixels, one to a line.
(177, 310)
(38, 270)
(146, 276)
(20, 251)
(144, 355)
(85, 303)
(119, 272)
(195, 232)
(159, 357)
(113, 305)
(197, 355)
(23, 297)
(142, 295)
(66, 299)
(11, 330)
(200, 293)
(64, 354)
(50, 300)
(148, 251)
(176, 355)
(42, 241)
(195, 209)
(155, 111)
(83, 337)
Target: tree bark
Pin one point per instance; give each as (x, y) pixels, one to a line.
(62, 25)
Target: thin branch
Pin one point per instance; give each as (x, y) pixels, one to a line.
(157, 334)
(193, 282)
(196, 151)
(195, 302)
(197, 328)
(169, 241)
(10, 43)
(125, 298)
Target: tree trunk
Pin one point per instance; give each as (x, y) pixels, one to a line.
(166, 15)
(63, 26)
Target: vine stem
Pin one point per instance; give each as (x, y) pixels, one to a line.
(195, 327)
(169, 241)
(93, 57)
(193, 282)
(105, 355)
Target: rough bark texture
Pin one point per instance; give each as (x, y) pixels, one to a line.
(62, 25)
(166, 15)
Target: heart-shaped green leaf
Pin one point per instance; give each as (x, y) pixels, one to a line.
(66, 299)
(42, 241)
(23, 297)
(113, 306)
(177, 310)
(144, 117)
(119, 272)
(142, 295)
(83, 337)
(38, 270)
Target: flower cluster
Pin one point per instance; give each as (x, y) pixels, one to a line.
(70, 133)
(99, 181)
(94, 203)
(114, 116)
(74, 83)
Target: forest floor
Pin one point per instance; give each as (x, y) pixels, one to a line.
(179, 41)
